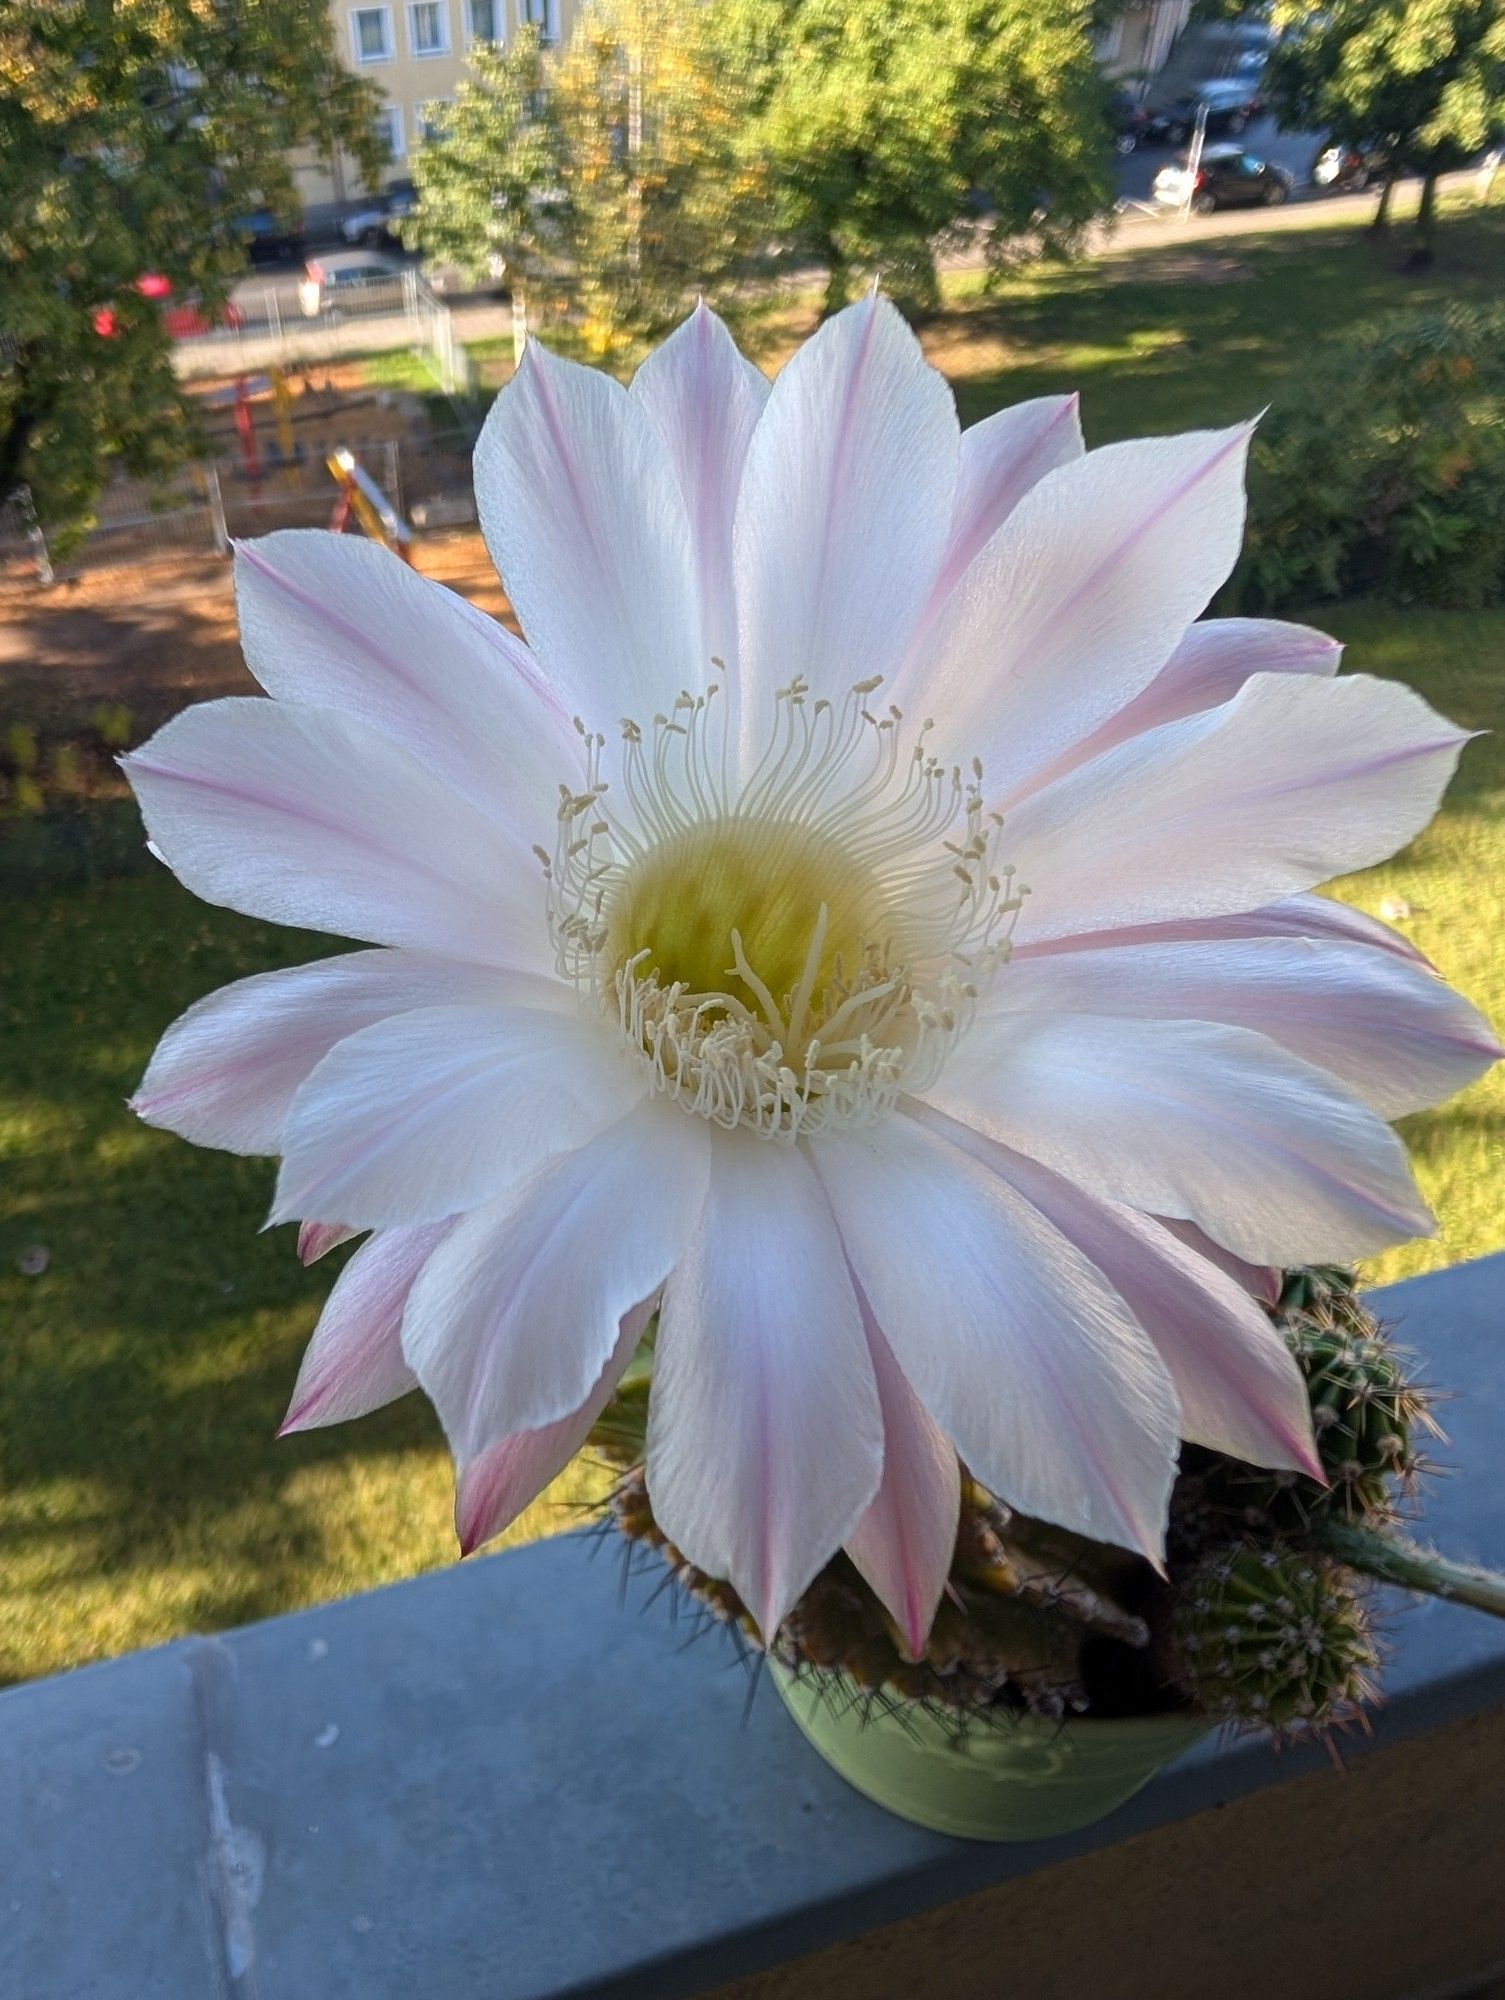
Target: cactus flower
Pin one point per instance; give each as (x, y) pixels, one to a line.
(867, 923)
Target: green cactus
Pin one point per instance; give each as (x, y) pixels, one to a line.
(1271, 1639)
(1366, 1414)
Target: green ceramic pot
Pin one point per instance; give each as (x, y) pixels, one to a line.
(1016, 1778)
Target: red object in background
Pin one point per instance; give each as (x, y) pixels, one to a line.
(246, 429)
(152, 285)
(104, 322)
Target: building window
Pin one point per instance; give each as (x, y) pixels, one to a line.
(371, 34)
(540, 14)
(429, 118)
(389, 130)
(428, 27)
(484, 19)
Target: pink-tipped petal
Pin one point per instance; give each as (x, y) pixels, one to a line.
(1295, 917)
(1078, 601)
(1237, 1382)
(354, 1364)
(515, 1319)
(1261, 1281)
(317, 1239)
(1210, 665)
(705, 400)
(429, 1113)
(1220, 1126)
(305, 817)
(845, 507)
(492, 1490)
(765, 1437)
(1024, 1356)
(1001, 459)
(1392, 1031)
(1295, 780)
(338, 622)
(584, 518)
(225, 1073)
(904, 1543)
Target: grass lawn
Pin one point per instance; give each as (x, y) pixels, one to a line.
(144, 1372)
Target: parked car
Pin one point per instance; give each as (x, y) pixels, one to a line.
(379, 221)
(349, 280)
(1126, 120)
(269, 240)
(1348, 169)
(1232, 104)
(1226, 177)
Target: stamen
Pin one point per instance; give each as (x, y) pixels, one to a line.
(898, 858)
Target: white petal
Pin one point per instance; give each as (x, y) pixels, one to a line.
(1030, 1363)
(705, 400)
(845, 507)
(354, 1362)
(317, 1239)
(1237, 1382)
(225, 1072)
(1078, 600)
(904, 1543)
(1292, 782)
(764, 1432)
(306, 818)
(492, 1490)
(432, 1112)
(338, 622)
(1214, 659)
(1261, 1281)
(583, 515)
(1001, 459)
(1217, 1125)
(1293, 917)
(513, 1321)
(1386, 1027)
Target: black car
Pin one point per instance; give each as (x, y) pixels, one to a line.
(1232, 104)
(269, 240)
(1126, 120)
(1226, 177)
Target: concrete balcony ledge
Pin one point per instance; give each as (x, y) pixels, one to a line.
(502, 1782)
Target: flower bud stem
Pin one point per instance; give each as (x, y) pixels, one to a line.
(1392, 1559)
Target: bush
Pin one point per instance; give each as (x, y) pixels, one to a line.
(1386, 472)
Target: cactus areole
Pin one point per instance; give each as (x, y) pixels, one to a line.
(862, 930)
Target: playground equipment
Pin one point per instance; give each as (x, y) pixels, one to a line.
(361, 497)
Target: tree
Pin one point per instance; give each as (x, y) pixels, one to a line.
(131, 140)
(609, 174)
(490, 188)
(886, 123)
(1422, 79)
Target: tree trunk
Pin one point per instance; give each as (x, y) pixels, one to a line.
(1425, 252)
(836, 281)
(1380, 226)
(519, 323)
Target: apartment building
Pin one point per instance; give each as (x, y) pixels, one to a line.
(1139, 37)
(415, 52)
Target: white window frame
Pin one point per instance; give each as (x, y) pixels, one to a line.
(498, 21)
(548, 27)
(397, 134)
(441, 9)
(362, 60)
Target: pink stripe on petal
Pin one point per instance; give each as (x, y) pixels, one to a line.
(904, 1543)
(317, 1239)
(494, 1487)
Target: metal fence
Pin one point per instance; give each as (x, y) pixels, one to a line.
(210, 504)
(270, 326)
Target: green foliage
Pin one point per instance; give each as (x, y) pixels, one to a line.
(1385, 470)
(132, 138)
(608, 177)
(1422, 79)
(1272, 1639)
(488, 186)
(112, 723)
(885, 123)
